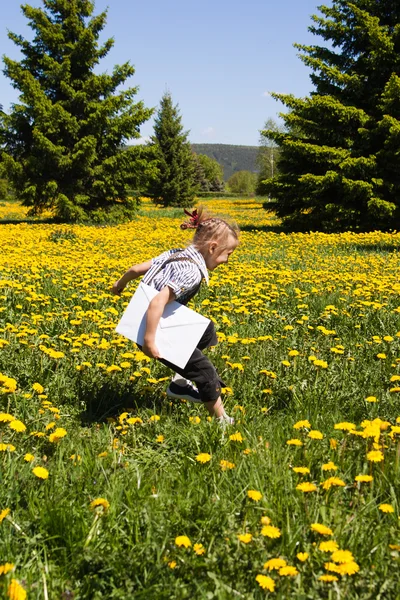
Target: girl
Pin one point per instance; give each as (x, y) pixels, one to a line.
(177, 275)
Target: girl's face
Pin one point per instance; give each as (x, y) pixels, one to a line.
(218, 254)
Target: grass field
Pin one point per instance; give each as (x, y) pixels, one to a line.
(109, 490)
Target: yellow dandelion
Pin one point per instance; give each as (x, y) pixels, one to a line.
(301, 470)
(265, 582)
(254, 495)
(183, 540)
(4, 513)
(349, 568)
(294, 442)
(245, 538)
(5, 447)
(225, 465)
(57, 434)
(315, 434)
(329, 466)
(371, 399)
(288, 571)
(302, 425)
(15, 591)
(203, 457)
(321, 529)
(265, 520)
(332, 481)
(345, 426)
(342, 556)
(17, 425)
(160, 439)
(386, 508)
(328, 578)
(306, 487)
(38, 388)
(5, 417)
(172, 564)
(29, 457)
(274, 564)
(236, 437)
(271, 531)
(375, 456)
(199, 549)
(154, 418)
(6, 568)
(100, 502)
(302, 556)
(40, 472)
(329, 546)
(364, 478)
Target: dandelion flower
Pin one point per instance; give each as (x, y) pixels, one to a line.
(6, 568)
(288, 571)
(274, 564)
(172, 564)
(183, 540)
(245, 538)
(329, 466)
(271, 531)
(301, 470)
(154, 418)
(331, 566)
(5, 417)
(265, 520)
(9, 447)
(265, 582)
(332, 481)
(29, 457)
(159, 439)
(302, 556)
(254, 495)
(38, 388)
(364, 478)
(342, 556)
(371, 399)
(17, 425)
(306, 487)
(40, 472)
(199, 549)
(329, 546)
(100, 502)
(375, 456)
(315, 435)
(328, 578)
(345, 426)
(4, 513)
(349, 568)
(225, 464)
(294, 442)
(236, 437)
(322, 529)
(386, 508)
(15, 591)
(57, 434)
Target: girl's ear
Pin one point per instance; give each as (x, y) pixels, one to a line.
(212, 247)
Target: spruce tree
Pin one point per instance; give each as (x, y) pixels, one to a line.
(338, 165)
(174, 184)
(64, 139)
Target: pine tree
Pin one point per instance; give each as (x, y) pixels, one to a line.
(338, 165)
(64, 140)
(175, 180)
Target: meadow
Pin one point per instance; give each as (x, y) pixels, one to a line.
(110, 490)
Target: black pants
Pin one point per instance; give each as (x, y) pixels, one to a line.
(200, 369)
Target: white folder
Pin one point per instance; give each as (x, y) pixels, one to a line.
(178, 332)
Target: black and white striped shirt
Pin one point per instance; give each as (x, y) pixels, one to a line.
(182, 276)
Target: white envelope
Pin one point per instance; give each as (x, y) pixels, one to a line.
(178, 332)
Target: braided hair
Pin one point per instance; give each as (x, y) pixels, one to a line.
(209, 229)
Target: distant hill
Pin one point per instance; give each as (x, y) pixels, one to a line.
(231, 158)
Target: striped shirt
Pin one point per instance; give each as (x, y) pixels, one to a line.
(182, 276)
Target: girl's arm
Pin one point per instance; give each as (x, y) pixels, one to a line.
(132, 273)
(154, 313)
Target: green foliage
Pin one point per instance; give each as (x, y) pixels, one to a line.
(63, 140)
(209, 173)
(232, 158)
(338, 163)
(174, 182)
(242, 182)
(267, 158)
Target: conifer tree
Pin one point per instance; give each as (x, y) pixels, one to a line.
(338, 165)
(174, 184)
(64, 139)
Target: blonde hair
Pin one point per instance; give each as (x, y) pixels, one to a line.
(209, 229)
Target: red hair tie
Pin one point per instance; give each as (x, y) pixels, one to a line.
(193, 219)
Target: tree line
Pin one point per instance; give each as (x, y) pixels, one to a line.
(332, 165)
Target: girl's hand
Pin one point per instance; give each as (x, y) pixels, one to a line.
(150, 349)
(117, 289)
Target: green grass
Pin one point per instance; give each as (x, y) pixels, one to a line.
(61, 548)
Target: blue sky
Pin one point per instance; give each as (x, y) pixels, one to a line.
(219, 59)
